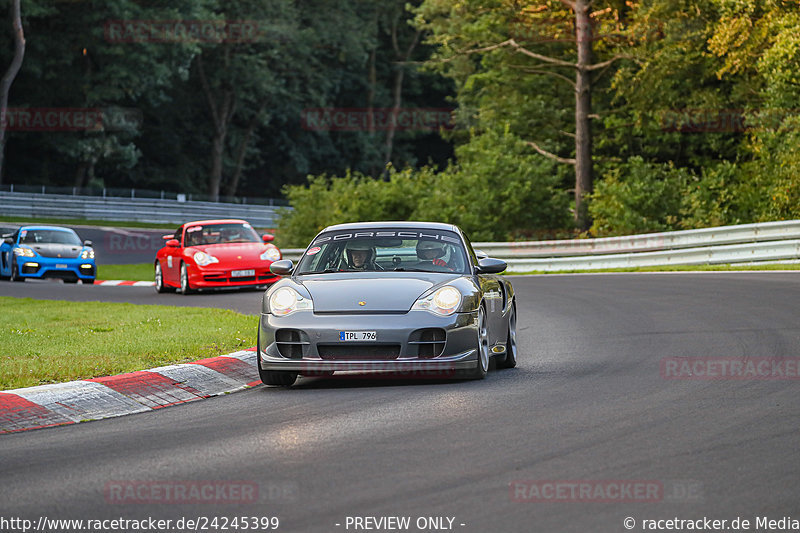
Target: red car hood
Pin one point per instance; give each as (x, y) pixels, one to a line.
(233, 253)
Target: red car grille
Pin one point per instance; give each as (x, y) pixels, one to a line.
(224, 278)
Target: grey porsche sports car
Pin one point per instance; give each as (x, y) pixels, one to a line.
(410, 298)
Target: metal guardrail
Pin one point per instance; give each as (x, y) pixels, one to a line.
(649, 242)
(29, 205)
(743, 244)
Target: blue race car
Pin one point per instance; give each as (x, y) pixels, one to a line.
(47, 252)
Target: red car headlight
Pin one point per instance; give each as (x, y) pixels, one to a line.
(203, 259)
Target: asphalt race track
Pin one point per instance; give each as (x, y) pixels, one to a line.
(587, 403)
(247, 301)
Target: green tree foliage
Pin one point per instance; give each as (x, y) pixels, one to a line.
(310, 54)
(498, 190)
(354, 197)
(495, 191)
(638, 197)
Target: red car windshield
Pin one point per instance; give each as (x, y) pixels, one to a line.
(220, 234)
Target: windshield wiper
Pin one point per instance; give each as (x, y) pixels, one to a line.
(407, 269)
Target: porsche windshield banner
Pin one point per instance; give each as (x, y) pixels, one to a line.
(388, 234)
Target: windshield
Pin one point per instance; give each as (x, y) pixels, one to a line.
(385, 250)
(220, 234)
(48, 236)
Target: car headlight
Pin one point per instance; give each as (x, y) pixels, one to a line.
(444, 301)
(271, 253)
(203, 259)
(87, 254)
(287, 300)
(24, 252)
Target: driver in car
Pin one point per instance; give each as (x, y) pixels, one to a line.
(431, 253)
(359, 255)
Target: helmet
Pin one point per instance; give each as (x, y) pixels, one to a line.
(429, 250)
(359, 246)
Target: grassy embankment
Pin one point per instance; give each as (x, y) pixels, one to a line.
(47, 341)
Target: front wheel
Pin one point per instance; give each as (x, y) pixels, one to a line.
(186, 288)
(482, 364)
(511, 341)
(272, 377)
(14, 272)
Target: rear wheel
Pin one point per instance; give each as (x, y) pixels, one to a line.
(186, 288)
(511, 341)
(159, 277)
(89, 281)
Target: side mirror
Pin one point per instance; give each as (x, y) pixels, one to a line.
(267, 237)
(88, 244)
(490, 265)
(281, 268)
(173, 243)
(9, 240)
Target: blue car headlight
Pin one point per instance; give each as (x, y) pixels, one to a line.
(87, 254)
(24, 252)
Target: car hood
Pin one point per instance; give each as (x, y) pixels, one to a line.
(66, 251)
(381, 293)
(233, 252)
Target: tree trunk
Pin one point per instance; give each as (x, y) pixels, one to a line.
(397, 87)
(10, 75)
(241, 153)
(397, 95)
(221, 116)
(583, 108)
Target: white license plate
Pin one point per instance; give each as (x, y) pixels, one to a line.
(62, 266)
(242, 273)
(358, 336)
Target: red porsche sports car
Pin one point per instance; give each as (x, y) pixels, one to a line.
(215, 253)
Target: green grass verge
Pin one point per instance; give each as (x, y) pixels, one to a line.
(670, 268)
(46, 341)
(135, 272)
(87, 222)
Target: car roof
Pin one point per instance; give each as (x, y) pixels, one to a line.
(56, 228)
(219, 221)
(402, 224)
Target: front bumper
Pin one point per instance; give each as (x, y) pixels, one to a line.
(209, 277)
(51, 267)
(319, 334)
